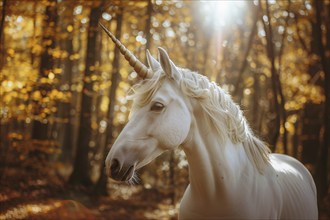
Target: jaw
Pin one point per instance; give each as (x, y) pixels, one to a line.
(151, 155)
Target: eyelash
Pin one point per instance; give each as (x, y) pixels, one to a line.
(157, 107)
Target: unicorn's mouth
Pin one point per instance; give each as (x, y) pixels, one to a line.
(128, 174)
(121, 173)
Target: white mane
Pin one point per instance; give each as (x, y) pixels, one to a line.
(225, 115)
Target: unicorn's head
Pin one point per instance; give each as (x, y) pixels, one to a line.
(164, 111)
(159, 119)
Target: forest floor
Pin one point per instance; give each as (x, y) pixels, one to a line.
(25, 196)
(30, 195)
(31, 189)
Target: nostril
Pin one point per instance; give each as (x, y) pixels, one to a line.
(115, 167)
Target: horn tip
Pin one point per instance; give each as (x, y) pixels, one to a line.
(161, 49)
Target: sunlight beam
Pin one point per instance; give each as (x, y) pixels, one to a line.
(221, 13)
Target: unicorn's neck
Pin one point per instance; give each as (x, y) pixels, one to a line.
(214, 165)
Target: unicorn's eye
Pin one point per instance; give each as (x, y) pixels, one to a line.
(157, 107)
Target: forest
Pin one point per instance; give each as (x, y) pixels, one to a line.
(64, 87)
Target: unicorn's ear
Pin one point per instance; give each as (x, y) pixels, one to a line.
(167, 65)
(152, 62)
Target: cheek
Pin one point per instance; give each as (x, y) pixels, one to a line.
(174, 129)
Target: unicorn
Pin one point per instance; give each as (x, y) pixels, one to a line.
(232, 173)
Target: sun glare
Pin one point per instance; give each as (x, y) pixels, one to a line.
(222, 12)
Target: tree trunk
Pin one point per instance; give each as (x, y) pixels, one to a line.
(279, 84)
(2, 27)
(4, 127)
(271, 56)
(80, 174)
(39, 130)
(237, 88)
(255, 102)
(322, 167)
(172, 178)
(148, 27)
(66, 134)
(101, 185)
(34, 40)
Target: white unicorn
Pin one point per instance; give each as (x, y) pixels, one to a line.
(232, 173)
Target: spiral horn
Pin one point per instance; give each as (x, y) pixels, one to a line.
(137, 65)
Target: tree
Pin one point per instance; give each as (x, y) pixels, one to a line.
(39, 130)
(2, 25)
(238, 90)
(64, 112)
(323, 52)
(4, 143)
(115, 78)
(278, 97)
(80, 172)
(148, 26)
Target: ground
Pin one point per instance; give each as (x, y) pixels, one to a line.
(30, 188)
(42, 197)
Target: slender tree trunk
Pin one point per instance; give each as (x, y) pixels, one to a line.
(76, 95)
(310, 151)
(279, 84)
(148, 27)
(67, 67)
(101, 185)
(2, 27)
(238, 91)
(80, 174)
(4, 127)
(3, 16)
(322, 166)
(35, 14)
(39, 130)
(256, 98)
(172, 178)
(271, 57)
